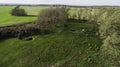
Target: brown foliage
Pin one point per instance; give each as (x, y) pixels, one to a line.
(52, 17)
(21, 30)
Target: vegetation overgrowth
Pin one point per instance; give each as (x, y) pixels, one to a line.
(89, 39)
(21, 30)
(109, 29)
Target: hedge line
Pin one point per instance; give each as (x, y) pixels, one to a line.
(21, 30)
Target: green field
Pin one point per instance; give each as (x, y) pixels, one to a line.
(7, 19)
(65, 49)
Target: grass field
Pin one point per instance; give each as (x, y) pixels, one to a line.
(7, 19)
(65, 49)
(77, 45)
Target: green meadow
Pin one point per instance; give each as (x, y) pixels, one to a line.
(8, 19)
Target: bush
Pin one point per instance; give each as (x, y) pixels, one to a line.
(52, 17)
(18, 12)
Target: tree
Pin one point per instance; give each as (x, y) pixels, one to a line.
(17, 11)
(52, 17)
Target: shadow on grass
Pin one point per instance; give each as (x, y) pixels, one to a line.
(28, 16)
(4, 38)
(76, 20)
(31, 16)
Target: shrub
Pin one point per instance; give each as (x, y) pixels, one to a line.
(18, 12)
(52, 17)
(109, 29)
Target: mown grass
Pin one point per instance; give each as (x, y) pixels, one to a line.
(7, 19)
(70, 47)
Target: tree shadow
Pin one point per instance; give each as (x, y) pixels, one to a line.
(4, 38)
(31, 16)
(28, 16)
(76, 20)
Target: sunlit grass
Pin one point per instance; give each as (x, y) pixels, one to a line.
(7, 19)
